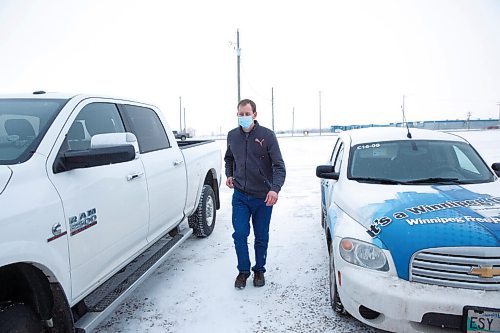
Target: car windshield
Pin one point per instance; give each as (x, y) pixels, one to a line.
(23, 123)
(417, 162)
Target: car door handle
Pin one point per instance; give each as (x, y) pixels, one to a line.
(134, 176)
(179, 162)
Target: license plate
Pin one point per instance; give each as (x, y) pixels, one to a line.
(481, 320)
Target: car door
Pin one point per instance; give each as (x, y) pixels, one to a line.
(164, 167)
(106, 207)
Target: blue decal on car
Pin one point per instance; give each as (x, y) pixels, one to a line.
(452, 216)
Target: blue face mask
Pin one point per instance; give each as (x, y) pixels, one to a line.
(245, 121)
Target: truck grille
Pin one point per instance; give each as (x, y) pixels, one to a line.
(451, 267)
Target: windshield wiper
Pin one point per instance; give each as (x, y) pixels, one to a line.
(376, 180)
(434, 180)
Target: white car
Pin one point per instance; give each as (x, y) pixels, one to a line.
(412, 221)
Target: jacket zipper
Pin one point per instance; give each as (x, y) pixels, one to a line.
(246, 158)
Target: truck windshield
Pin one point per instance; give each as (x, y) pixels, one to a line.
(418, 162)
(23, 123)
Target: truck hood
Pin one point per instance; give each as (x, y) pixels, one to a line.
(5, 174)
(406, 219)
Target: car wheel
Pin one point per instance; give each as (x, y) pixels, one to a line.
(335, 301)
(203, 219)
(183, 138)
(323, 217)
(19, 318)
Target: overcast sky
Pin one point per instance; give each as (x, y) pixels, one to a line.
(443, 55)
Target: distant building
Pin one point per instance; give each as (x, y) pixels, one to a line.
(430, 124)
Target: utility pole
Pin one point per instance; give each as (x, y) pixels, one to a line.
(238, 54)
(272, 105)
(293, 118)
(184, 120)
(320, 112)
(403, 110)
(498, 112)
(180, 114)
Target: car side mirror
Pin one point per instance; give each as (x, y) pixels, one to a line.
(496, 168)
(326, 172)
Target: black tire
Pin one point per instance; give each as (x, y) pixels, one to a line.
(335, 301)
(19, 318)
(183, 138)
(203, 219)
(323, 216)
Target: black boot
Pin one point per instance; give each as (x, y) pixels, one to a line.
(241, 280)
(258, 279)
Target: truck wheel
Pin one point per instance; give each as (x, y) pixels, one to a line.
(335, 301)
(203, 219)
(19, 318)
(183, 138)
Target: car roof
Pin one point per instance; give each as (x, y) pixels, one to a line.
(381, 134)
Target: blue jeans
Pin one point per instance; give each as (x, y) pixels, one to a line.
(244, 207)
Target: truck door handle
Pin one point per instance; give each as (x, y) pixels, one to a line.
(134, 176)
(176, 163)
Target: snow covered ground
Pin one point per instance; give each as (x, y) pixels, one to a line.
(193, 290)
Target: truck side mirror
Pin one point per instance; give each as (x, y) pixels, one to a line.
(326, 172)
(496, 168)
(109, 148)
(114, 139)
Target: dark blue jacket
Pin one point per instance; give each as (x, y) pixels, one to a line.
(254, 161)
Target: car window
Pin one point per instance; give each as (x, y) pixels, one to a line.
(464, 162)
(334, 151)
(147, 127)
(410, 160)
(338, 159)
(94, 118)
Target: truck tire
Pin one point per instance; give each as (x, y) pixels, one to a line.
(203, 219)
(183, 138)
(19, 318)
(335, 301)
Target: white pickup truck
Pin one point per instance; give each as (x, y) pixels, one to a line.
(93, 195)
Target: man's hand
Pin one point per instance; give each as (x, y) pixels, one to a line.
(271, 198)
(229, 182)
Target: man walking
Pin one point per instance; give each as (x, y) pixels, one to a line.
(256, 171)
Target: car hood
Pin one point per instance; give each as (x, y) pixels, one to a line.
(5, 174)
(407, 218)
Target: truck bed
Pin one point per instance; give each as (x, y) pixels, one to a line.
(192, 143)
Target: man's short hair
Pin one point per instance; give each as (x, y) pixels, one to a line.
(246, 101)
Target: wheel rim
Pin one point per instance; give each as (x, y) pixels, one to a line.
(209, 211)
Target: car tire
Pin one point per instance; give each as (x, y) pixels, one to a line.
(203, 219)
(19, 318)
(183, 138)
(323, 217)
(335, 301)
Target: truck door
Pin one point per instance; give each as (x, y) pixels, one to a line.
(106, 207)
(164, 167)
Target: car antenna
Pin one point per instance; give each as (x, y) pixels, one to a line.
(408, 135)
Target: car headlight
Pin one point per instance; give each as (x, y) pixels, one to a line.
(363, 254)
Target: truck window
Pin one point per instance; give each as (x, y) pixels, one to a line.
(94, 118)
(23, 123)
(147, 127)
